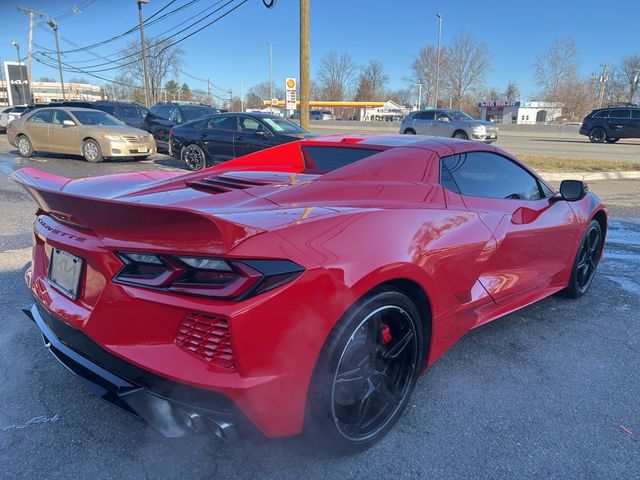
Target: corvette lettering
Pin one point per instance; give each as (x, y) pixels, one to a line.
(56, 231)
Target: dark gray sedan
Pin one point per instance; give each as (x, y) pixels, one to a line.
(449, 123)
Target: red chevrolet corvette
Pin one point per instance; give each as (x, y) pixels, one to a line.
(301, 288)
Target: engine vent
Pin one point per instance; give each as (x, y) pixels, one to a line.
(221, 184)
(207, 337)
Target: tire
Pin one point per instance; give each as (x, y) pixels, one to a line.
(597, 135)
(410, 131)
(144, 157)
(193, 157)
(91, 151)
(25, 148)
(612, 140)
(586, 261)
(459, 134)
(354, 399)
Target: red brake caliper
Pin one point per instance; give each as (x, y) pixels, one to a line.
(386, 334)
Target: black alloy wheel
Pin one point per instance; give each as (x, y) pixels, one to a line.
(194, 157)
(586, 262)
(410, 131)
(367, 372)
(597, 135)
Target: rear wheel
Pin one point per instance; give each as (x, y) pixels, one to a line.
(586, 261)
(459, 134)
(25, 149)
(366, 373)
(612, 140)
(597, 135)
(91, 151)
(410, 131)
(194, 157)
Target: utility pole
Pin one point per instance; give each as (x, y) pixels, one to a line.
(634, 85)
(419, 95)
(230, 99)
(304, 63)
(22, 95)
(439, 15)
(241, 98)
(31, 13)
(52, 23)
(4, 84)
(270, 77)
(603, 81)
(144, 53)
(209, 91)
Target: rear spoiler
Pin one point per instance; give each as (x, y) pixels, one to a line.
(164, 225)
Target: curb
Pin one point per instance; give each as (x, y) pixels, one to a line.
(590, 176)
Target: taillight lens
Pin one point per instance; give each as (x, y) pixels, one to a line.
(171, 132)
(231, 279)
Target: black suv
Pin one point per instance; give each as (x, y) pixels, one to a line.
(165, 115)
(611, 124)
(130, 113)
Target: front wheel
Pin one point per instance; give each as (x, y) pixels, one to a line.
(586, 261)
(597, 135)
(91, 151)
(194, 157)
(410, 131)
(25, 149)
(365, 373)
(461, 135)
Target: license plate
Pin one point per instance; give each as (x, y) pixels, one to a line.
(143, 149)
(492, 135)
(64, 272)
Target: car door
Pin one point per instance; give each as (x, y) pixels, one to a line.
(160, 125)
(443, 125)
(533, 237)
(217, 137)
(635, 123)
(423, 122)
(252, 136)
(619, 123)
(63, 138)
(37, 128)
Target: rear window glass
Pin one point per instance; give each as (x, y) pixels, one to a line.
(326, 159)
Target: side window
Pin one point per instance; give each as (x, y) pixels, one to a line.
(425, 115)
(250, 125)
(176, 116)
(442, 117)
(43, 116)
(635, 113)
(59, 116)
(601, 114)
(125, 111)
(223, 122)
(110, 109)
(620, 113)
(486, 174)
(163, 112)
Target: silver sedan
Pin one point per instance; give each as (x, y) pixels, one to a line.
(449, 123)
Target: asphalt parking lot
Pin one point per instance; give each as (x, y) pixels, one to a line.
(552, 391)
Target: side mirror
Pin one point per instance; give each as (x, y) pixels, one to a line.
(573, 190)
(68, 123)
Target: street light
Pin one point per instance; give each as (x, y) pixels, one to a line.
(144, 53)
(438, 59)
(22, 95)
(270, 77)
(419, 95)
(52, 23)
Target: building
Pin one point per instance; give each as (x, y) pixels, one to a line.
(389, 112)
(522, 113)
(45, 92)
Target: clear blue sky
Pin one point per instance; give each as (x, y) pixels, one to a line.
(233, 50)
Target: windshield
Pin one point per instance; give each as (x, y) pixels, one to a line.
(280, 125)
(192, 113)
(95, 117)
(458, 115)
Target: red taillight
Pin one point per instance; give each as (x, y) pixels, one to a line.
(203, 276)
(171, 132)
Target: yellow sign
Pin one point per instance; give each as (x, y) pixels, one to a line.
(274, 102)
(290, 83)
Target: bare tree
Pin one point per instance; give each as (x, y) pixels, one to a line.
(468, 64)
(336, 74)
(372, 82)
(511, 92)
(404, 96)
(258, 94)
(556, 69)
(630, 72)
(162, 60)
(423, 71)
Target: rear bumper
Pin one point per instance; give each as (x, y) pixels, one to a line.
(171, 408)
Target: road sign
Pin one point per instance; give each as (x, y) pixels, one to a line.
(290, 83)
